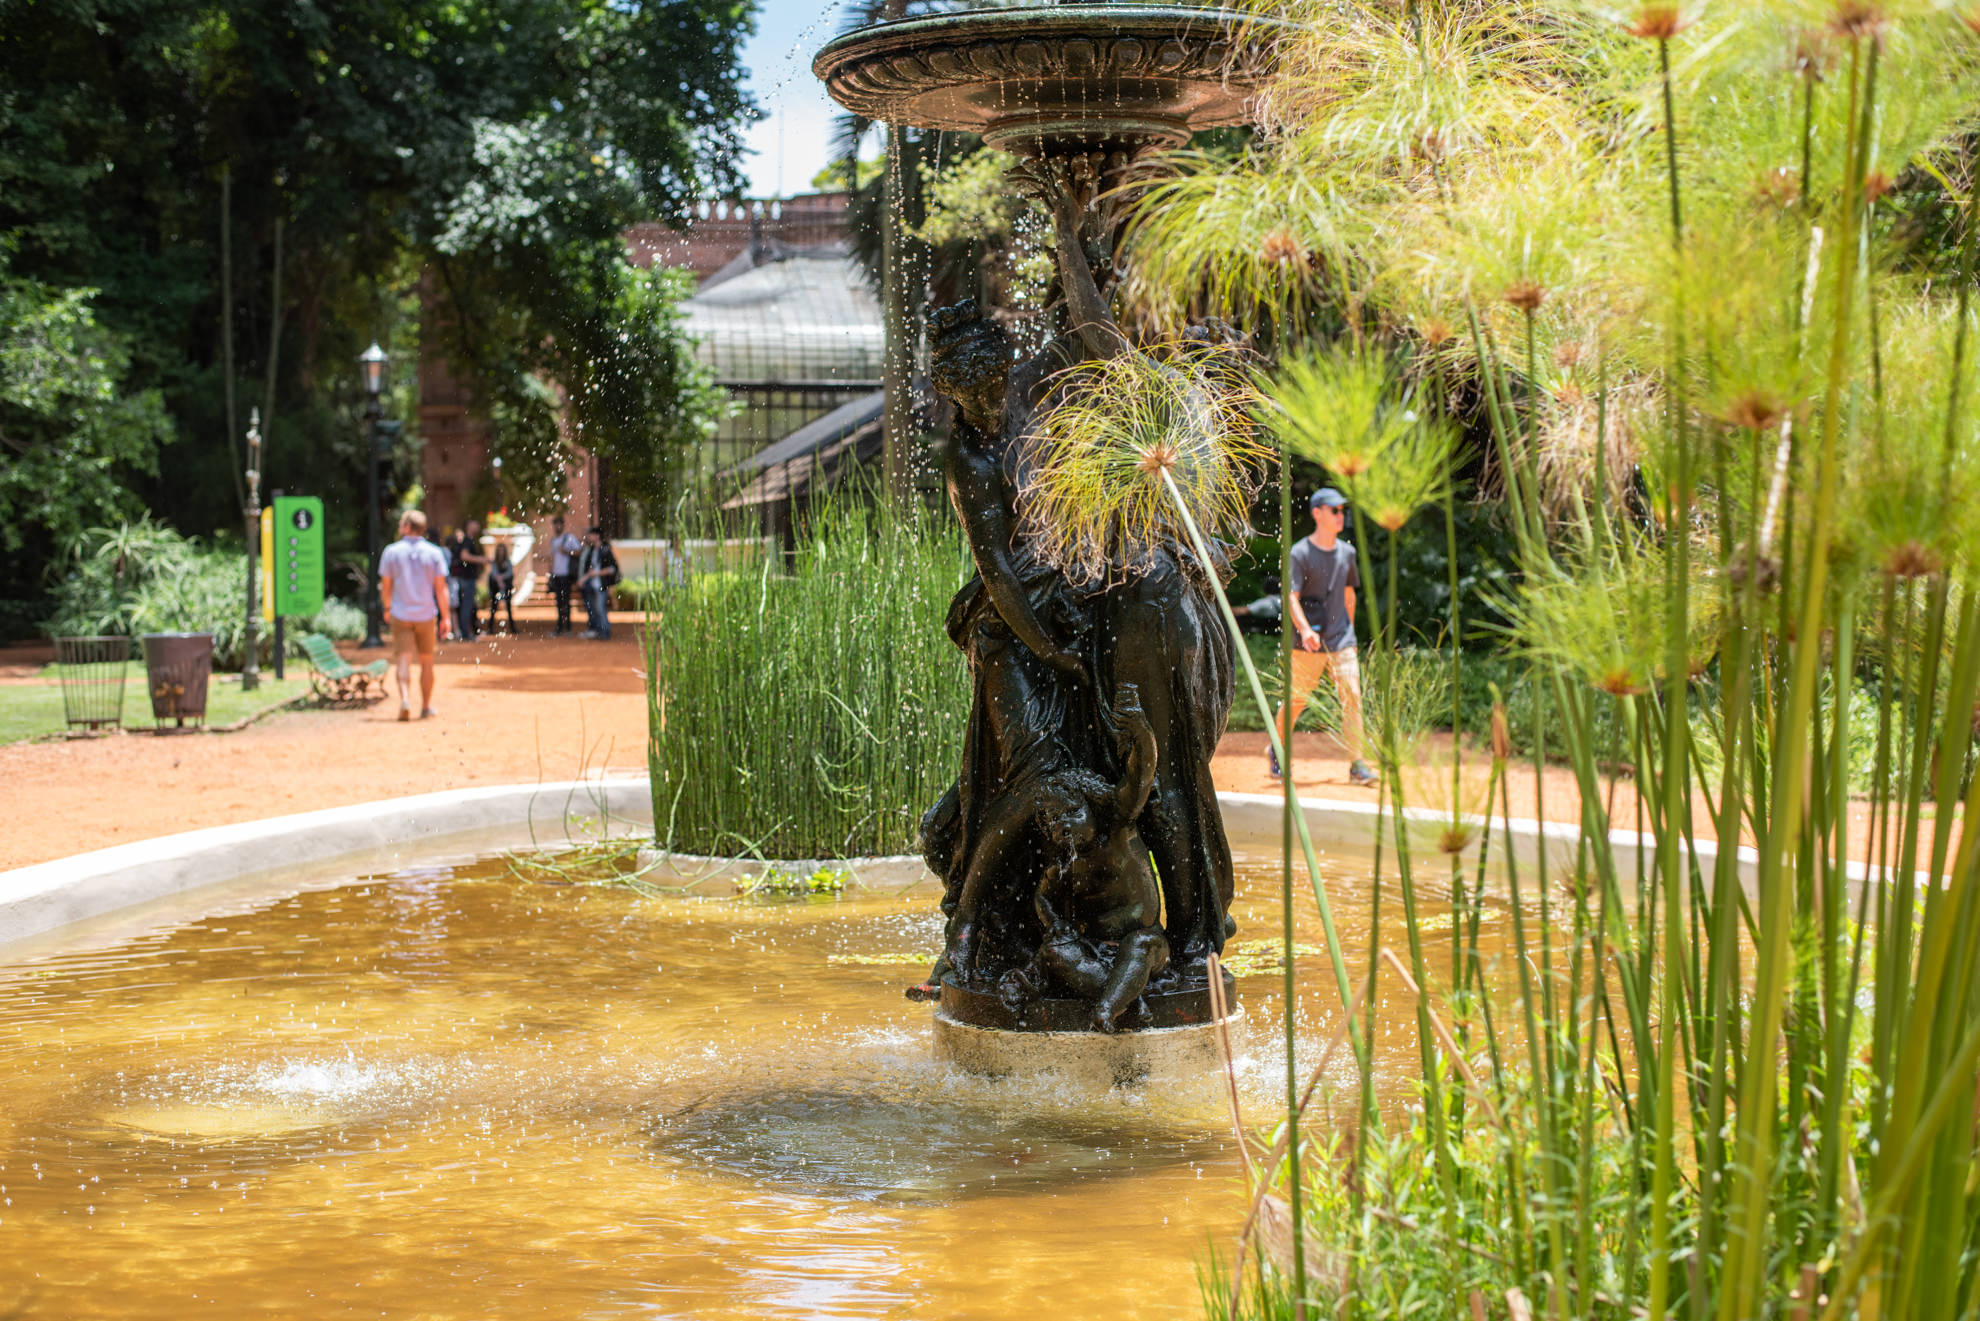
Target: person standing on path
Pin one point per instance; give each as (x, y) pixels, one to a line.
(564, 547)
(502, 587)
(1325, 576)
(464, 567)
(598, 573)
(412, 576)
(1261, 615)
(596, 577)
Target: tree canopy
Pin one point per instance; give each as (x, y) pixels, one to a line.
(494, 148)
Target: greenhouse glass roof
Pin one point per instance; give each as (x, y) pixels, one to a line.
(809, 318)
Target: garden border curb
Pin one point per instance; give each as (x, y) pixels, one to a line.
(1352, 823)
(460, 823)
(1250, 817)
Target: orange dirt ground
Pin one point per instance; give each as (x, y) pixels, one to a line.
(1320, 770)
(511, 710)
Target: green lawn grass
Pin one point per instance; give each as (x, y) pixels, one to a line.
(34, 710)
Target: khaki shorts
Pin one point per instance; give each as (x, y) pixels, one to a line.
(417, 636)
(1344, 665)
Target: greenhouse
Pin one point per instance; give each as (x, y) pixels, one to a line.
(790, 338)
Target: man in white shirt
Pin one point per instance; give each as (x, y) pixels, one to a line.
(412, 576)
(563, 545)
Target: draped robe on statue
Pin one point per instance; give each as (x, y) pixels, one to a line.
(1157, 628)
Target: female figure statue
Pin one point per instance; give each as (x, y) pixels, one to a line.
(1051, 663)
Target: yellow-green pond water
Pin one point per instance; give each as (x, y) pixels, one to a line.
(452, 1093)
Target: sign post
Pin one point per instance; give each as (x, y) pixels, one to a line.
(296, 558)
(298, 528)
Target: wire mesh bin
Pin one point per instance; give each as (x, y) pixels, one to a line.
(92, 673)
(177, 666)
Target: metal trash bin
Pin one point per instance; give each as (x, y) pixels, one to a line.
(92, 672)
(177, 666)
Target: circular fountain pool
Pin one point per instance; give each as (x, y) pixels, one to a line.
(452, 1092)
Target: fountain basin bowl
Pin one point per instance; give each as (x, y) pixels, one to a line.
(1039, 81)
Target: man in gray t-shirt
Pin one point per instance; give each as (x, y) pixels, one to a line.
(412, 577)
(1320, 603)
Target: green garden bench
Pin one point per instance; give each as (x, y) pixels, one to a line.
(338, 682)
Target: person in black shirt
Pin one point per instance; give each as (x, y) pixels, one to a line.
(1261, 615)
(464, 561)
(597, 574)
(502, 587)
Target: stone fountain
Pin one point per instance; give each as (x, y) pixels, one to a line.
(1087, 876)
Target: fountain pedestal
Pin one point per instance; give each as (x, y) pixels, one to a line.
(1154, 1011)
(1163, 1035)
(1097, 1060)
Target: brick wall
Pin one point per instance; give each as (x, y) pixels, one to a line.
(716, 232)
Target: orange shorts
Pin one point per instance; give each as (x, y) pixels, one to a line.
(417, 636)
(1344, 666)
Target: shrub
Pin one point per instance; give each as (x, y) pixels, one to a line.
(638, 594)
(144, 577)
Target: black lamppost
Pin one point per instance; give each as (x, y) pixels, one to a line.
(373, 361)
(251, 663)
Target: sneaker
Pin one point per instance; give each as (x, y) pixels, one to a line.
(405, 713)
(428, 714)
(1359, 773)
(1272, 763)
(590, 633)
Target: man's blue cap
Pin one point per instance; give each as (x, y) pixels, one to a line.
(1327, 496)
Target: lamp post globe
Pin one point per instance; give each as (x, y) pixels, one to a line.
(373, 362)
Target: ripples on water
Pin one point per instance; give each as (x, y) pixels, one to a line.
(454, 1094)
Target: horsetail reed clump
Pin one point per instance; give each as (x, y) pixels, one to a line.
(812, 708)
(1673, 258)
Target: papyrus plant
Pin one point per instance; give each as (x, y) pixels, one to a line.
(1781, 1052)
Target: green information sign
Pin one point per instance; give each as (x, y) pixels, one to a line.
(297, 563)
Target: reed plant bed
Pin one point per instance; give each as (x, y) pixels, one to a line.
(809, 708)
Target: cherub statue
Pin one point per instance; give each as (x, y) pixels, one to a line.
(1098, 901)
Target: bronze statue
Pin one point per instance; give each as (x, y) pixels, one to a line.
(1082, 849)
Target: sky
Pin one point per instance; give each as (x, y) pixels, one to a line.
(791, 143)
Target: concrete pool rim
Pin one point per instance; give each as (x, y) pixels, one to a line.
(47, 897)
